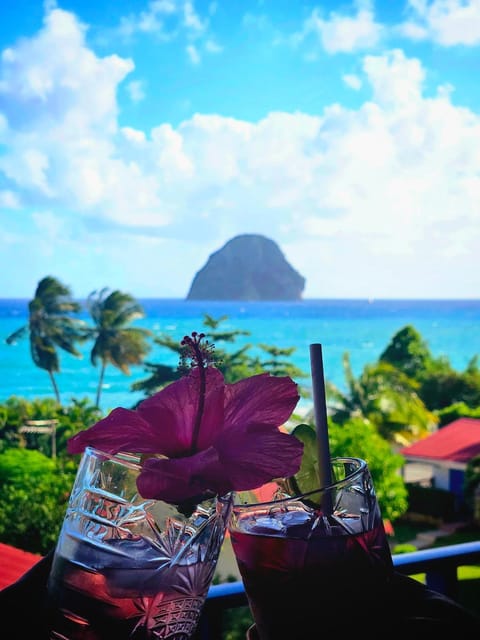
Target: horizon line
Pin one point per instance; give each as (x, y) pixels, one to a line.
(369, 299)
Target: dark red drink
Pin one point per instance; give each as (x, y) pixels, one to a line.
(296, 585)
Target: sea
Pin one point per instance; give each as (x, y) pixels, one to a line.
(361, 328)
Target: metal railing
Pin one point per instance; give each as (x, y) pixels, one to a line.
(439, 565)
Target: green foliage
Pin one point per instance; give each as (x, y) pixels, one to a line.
(236, 622)
(16, 412)
(406, 547)
(443, 386)
(35, 492)
(408, 352)
(34, 487)
(455, 411)
(439, 384)
(18, 465)
(75, 417)
(235, 364)
(360, 439)
(384, 396)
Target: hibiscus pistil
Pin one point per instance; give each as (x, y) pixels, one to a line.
(200, 352)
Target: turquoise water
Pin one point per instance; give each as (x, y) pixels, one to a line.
(361, 327)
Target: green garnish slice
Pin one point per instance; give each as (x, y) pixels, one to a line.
(307, 478)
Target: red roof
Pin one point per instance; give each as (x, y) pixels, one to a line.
(14, 563)
(458, 441)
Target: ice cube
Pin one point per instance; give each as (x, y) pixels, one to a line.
(295, 518)
(264, 525)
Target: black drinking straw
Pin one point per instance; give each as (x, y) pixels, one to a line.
(321, 424)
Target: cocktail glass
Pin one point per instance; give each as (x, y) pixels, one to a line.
(127, 567)
(315, 561)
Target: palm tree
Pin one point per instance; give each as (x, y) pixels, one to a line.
(115, 342)
(384, 396)
(50, 325)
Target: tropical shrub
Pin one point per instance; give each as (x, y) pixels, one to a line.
(35, 491)
(360, 439)
(386, 397)
(440, 385)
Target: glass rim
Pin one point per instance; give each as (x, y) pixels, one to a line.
(362, 465)
(130, 460)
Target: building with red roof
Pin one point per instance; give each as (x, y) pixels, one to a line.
(448, 451)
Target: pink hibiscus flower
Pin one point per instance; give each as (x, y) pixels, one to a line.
(213, 437)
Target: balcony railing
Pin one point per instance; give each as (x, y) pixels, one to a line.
(439, 565)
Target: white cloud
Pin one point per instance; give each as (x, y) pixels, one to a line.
(134, 135)
(152, 20)
(136, 90)
(341, 33)
(213, 47)
(353, 81)
(191, 19)
(193, 54)
(446, 22)
(9, 199)
(396, 80)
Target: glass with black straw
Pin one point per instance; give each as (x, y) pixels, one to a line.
(318, 560)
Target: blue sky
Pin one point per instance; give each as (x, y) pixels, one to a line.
(137, 137)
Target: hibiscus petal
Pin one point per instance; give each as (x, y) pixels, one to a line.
(121, 430)
(262, 399)
(255, 454)
(179, 479)
(181, 398)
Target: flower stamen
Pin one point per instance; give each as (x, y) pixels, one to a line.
(200, 354)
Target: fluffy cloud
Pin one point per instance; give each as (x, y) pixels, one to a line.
(447, 22)
(341, 33)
